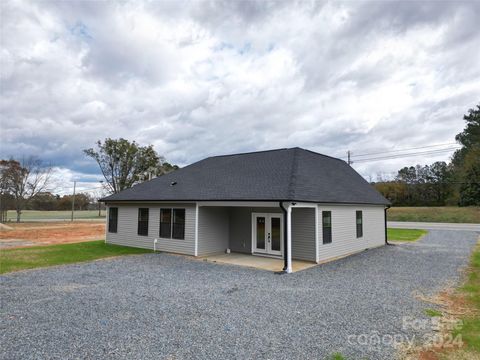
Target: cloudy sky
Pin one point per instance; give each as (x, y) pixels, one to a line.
(200, 78)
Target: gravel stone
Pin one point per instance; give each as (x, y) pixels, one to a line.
(158, 306)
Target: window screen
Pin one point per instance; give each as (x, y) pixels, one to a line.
(178, 224)
(143, 221)
(112, 219)
(327, 226)
(166, 223)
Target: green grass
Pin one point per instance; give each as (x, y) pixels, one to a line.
(444, 214)
(432, 312)
(470, 331)
(405, 234)
(43, 256)
(54, 215)
(337, 356)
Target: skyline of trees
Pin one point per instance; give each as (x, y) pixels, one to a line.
(441, 183)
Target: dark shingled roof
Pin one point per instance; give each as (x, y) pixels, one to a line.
(285, 174)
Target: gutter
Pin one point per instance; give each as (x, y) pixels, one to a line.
(106, 200)
(285, 230)
(386, 237)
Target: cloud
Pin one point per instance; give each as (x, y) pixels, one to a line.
(198, 78)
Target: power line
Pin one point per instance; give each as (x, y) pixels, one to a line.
(399, 156)
(68, 191)
(404, 149)
(414, 154)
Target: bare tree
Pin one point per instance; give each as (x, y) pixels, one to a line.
(4, 192)
(23, 180)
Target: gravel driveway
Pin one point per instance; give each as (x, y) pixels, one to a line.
(164, 306)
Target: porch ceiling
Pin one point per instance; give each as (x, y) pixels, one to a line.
(258, 262)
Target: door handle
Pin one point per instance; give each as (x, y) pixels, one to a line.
(268, 237)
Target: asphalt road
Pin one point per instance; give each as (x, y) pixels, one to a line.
(433, 226)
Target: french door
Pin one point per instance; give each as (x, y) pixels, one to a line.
(267, 233)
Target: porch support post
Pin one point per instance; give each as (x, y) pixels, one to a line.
(288, 270)
(196, 229)
(316, 234)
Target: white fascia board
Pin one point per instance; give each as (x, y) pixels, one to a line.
(303, 205)
(240, 203)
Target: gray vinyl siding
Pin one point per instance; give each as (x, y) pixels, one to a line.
(344, 239)
(127, 228)
(213, 230)
(241, 227)
(303, 234)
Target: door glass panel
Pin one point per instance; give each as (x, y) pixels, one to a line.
(276, 229)
(260, 232)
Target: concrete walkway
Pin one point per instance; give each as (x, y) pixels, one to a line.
(432, 226)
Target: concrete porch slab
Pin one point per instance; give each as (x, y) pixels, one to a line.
(258, 262)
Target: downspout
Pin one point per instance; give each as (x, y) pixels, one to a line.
(107, 216)
(285, 230)
(386, 237)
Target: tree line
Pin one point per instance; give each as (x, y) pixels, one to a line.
(441, 183)
(47, 201)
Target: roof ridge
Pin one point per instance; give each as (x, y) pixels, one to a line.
(293, 174)
(320, 154)
(246, 153)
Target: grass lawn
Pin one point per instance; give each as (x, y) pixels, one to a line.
(55, 215)
(445, 214)
(42, 256)
(470, 331)
(405, 234)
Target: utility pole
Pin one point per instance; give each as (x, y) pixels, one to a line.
(73, 198)
(350, 162)
(99, 203)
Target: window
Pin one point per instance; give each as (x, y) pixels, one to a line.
(143, 221)
(178, 224)
(359, 224)
(112, 219)
(172, 223)
(327, 226)
(166, 223)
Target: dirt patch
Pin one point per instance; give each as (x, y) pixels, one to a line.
(453, 305)
(5, 227)
(22, 235)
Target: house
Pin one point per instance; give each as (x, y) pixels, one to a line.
(286, 203)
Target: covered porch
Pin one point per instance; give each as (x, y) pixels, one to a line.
(269, 235)
(257, 262)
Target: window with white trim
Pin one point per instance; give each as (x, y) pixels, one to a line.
(172, 223)
(327, 227)
(112, 219)
(142, 222)
(165, 223)
(359, 222)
